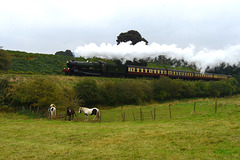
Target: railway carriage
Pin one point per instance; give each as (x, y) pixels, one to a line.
(180, 74)
(145, 71)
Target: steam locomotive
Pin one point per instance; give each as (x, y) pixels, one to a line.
(100, 68)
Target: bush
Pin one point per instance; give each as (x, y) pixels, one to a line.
(128, 92)
(166, 88)
(87, 92)
(38, 92)
(159, 89)
(4, 84)
(202, 89)
(5, 60)
(125, 92)
(108, 93)
(188, 90)
(221, 88)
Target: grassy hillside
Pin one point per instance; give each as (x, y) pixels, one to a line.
(194, 136)
(34, 63)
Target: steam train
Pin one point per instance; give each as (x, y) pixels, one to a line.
(100, 68)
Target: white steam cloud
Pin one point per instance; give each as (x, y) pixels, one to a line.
(202, 59)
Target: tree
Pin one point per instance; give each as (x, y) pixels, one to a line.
(132, 35)
(5, 60)
(87, 92)
(66, 53)
(140, 62)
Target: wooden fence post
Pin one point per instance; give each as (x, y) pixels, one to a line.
(170, 112)
(194, 107)
(123, 115)
(133, 116)
(141, 115)
(215, 104)
(151, 114)
(154, 113)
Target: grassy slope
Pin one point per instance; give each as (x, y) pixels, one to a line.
(204, 135)
(34, 63)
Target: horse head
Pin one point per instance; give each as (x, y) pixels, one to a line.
(80, 110)
(52, 105)
(69, 110)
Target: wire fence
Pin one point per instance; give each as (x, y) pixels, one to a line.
(167, 112)
(155, 112)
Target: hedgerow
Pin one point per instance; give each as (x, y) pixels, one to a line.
(142, 91)
(40, 92)
(4, 87)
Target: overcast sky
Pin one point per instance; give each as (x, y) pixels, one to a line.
(47, 26)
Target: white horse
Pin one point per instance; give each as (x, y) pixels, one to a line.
(90, 111)
(53, 111)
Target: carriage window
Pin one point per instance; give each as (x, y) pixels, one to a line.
(132, 69)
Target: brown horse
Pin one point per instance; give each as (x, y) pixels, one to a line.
(71, 113)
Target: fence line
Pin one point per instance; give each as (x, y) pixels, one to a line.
(170, 111)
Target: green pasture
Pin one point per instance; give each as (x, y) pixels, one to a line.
(202, 134)
(169, 110)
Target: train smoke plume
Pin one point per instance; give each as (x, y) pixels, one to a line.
(202, 58)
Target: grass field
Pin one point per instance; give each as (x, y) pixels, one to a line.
(188, 135)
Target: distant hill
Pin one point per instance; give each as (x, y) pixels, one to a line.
(35, 63)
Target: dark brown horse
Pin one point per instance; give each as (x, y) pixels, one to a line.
(71, 113)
